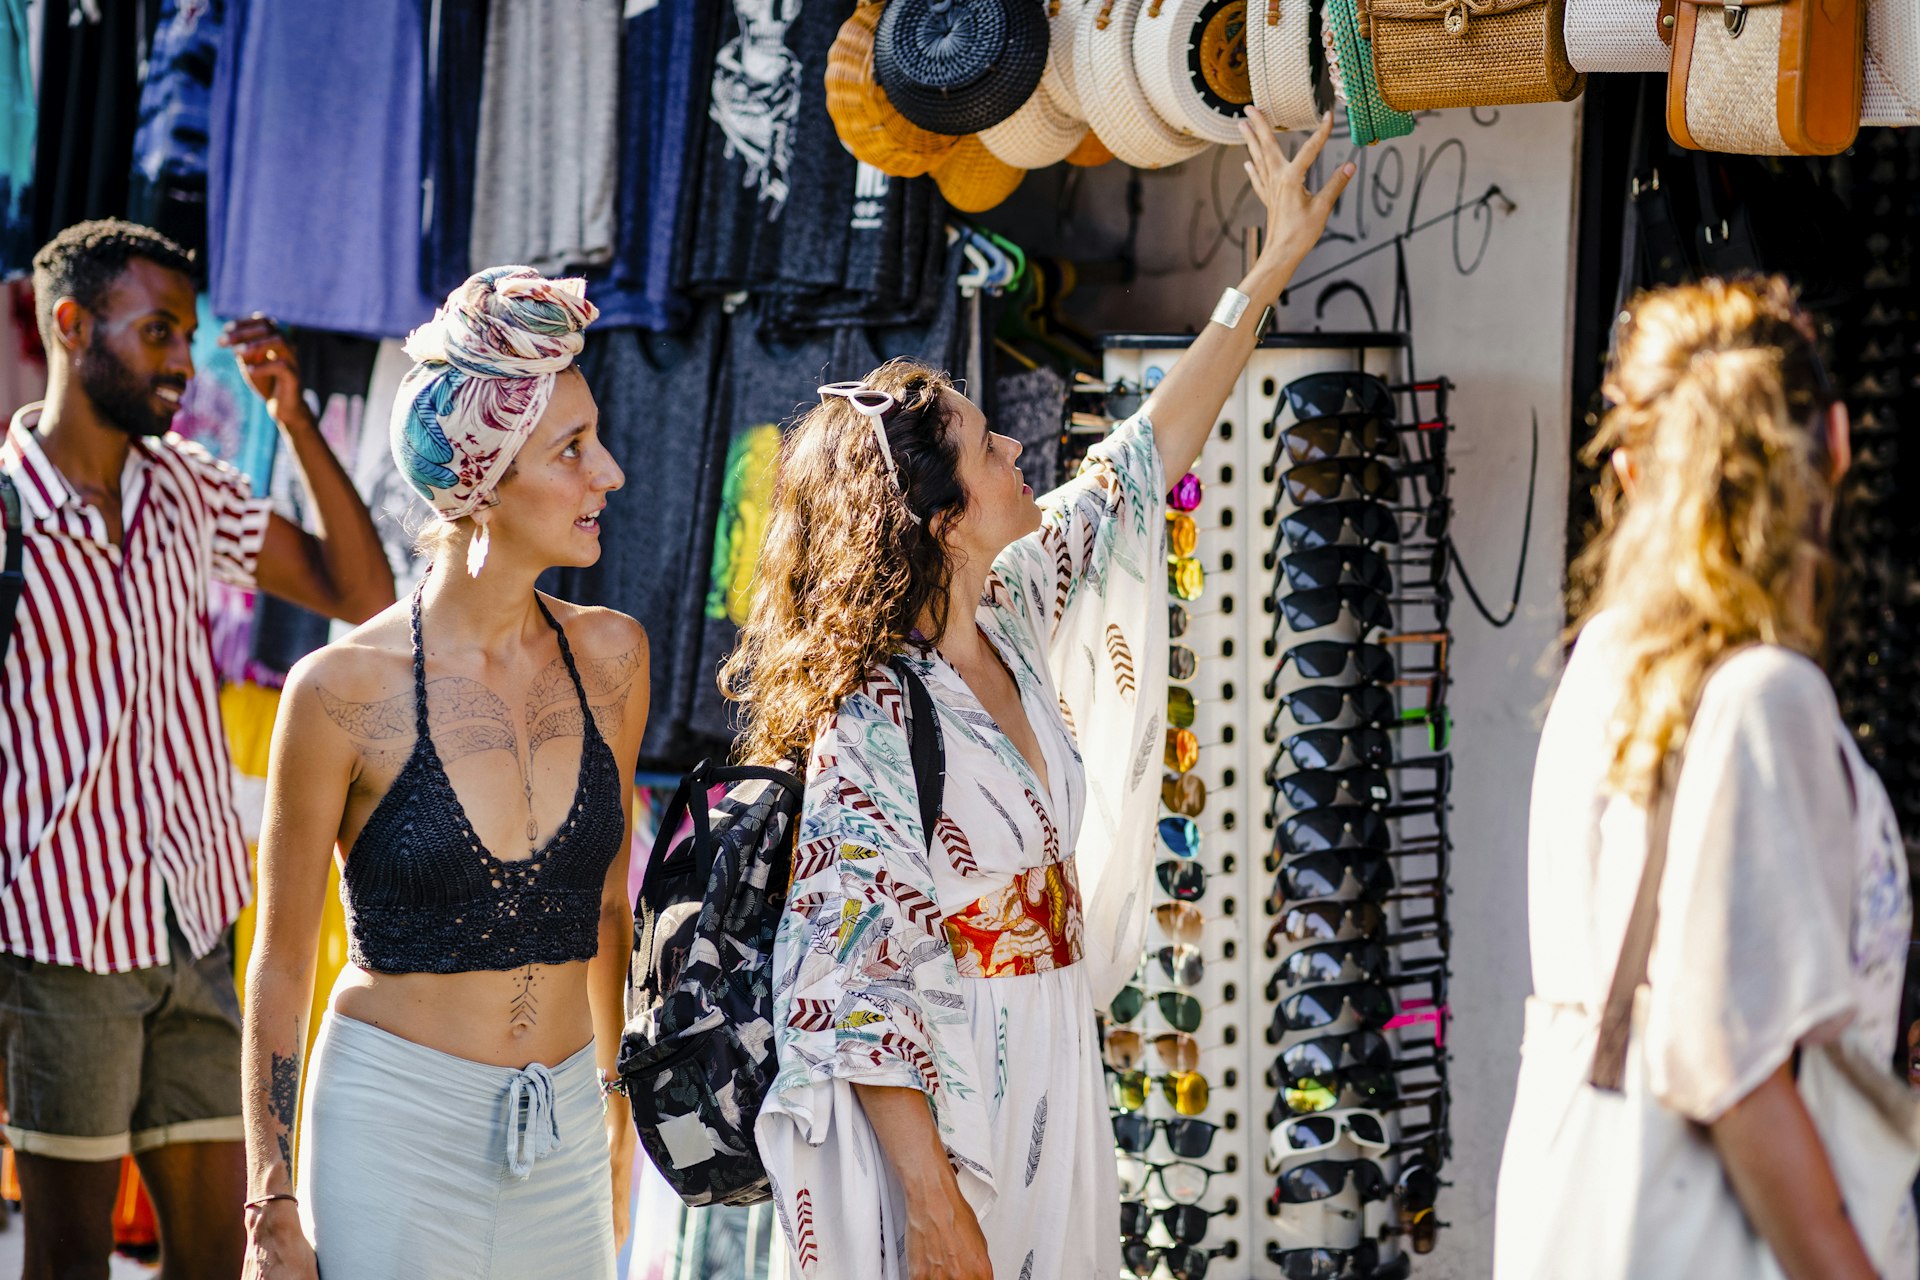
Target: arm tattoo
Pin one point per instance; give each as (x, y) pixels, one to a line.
(283, 1096)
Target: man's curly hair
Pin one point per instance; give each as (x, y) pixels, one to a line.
(83, 261)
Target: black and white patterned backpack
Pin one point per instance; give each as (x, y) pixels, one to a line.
(697, 1055)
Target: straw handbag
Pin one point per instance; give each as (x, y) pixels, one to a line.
(1781, 77)
(1628, 35)
(1110, 94)
(1350, 71)
(1619, 35)
(1286, 73)
(865, 121)
(1892, 90)
(1191, 56)
(1429, 54)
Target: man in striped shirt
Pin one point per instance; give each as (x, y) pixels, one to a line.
(124, 864)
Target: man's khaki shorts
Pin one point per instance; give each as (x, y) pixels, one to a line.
(100, 1065)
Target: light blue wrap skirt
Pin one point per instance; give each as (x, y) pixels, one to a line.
(418, 1164)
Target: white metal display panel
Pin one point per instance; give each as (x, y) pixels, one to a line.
(1229, 633)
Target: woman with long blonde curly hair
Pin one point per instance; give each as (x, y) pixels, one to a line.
(1784, 912)
(939, 1110)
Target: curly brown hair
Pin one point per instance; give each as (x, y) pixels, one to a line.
(1718, 390)
(850, 563)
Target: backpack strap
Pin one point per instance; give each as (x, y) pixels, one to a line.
(1616, 1019)
(689, 803)
(13, 581)
(929, 751)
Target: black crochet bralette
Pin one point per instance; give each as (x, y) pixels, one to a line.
(423, 895)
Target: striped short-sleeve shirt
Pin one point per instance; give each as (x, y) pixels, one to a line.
(116, 792)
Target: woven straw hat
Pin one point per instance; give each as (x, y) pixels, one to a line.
(973, 180)
(868, 125)
(1037, 135)
(1110, 92)
(1090, 154)
(1192, 59)
(1063, 27)
(1284, 66)
(960, 66)
(1350, 71)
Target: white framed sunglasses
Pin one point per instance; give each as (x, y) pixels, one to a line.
(1304, 1135)
(874, 405)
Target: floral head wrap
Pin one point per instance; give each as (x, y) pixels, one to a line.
(487, 364)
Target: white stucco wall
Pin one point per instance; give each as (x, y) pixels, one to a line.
(1502, 332)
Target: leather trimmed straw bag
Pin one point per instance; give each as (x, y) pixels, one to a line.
(1430, 54)
(1636, 35)
(1778, 77)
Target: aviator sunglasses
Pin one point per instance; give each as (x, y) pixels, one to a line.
(1186, 1090)
(1179, 1009)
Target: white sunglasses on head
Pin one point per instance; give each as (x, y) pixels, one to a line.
(874, 405)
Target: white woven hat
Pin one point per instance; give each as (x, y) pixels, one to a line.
(1110, 93)
(1037, 135)
(1284, 64)
(1192, 59)
(1063, 24)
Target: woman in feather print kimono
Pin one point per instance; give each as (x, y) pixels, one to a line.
(939, 1110)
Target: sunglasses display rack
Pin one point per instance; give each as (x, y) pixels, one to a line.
(1276, 1069)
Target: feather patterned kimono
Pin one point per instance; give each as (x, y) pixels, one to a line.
(969, 970)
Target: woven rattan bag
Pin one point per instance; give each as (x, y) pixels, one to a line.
(1781, 77)
(1619, 35)
(1429, 54)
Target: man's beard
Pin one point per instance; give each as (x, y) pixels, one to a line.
(122, 399)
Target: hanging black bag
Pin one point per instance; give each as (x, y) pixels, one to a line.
(697, 1056)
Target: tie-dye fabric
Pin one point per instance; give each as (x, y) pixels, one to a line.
(890, 967)
(487, 364)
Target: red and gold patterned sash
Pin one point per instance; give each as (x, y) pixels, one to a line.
(1031, 926)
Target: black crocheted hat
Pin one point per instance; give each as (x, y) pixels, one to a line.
(960, 66)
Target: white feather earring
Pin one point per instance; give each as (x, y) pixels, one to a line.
(477, 547)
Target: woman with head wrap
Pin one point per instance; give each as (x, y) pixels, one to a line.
(468, 754)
